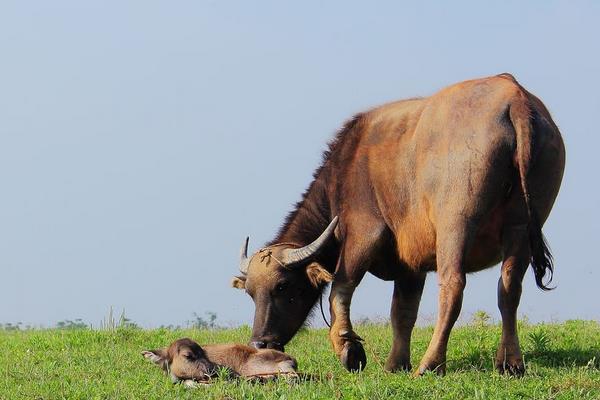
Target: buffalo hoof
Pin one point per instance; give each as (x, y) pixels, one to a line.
(353, 356)
(439, 367)
(398, 366)
(516, 368)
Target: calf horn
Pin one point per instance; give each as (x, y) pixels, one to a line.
(244, 261)
(296, 256)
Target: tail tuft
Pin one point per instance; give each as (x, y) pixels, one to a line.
(541, 257)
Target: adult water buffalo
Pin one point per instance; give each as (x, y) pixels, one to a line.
(452, 183)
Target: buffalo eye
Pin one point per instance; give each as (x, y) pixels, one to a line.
(281, 287)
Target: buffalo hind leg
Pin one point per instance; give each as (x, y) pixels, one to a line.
(405, 305)
(514, 264)
(451, 249)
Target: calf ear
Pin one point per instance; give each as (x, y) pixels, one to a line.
(158, 357)
(238, 282)
(317, 275)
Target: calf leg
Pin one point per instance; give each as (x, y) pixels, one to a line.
(514, 265)
(405, 305)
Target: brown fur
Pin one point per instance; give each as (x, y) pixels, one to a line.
(446, 183)
(184, 360)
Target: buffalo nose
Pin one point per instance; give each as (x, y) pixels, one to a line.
(258, 344)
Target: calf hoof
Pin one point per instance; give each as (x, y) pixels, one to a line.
(514, 368)
(353, 356)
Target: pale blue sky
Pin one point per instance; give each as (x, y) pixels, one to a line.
(140, 142)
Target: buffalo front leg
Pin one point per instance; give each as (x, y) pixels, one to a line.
(346, 343)
(514, 265)
(405, 305)
(350, 270)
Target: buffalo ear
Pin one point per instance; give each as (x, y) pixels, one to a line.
(317, 275)
(158, 357)
(238, 282)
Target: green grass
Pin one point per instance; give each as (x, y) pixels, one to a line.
(563, 362)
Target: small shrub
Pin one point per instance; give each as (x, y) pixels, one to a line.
(539, 341)
(481, 319)
(126, 323)
(204, 323)
(11, 327)
(69, 325)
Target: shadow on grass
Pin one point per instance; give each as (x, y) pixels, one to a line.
(551, 358)
(574, 357)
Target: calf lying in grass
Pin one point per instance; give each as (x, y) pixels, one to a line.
(186, 361)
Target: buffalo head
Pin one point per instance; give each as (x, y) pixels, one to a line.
(284, 281)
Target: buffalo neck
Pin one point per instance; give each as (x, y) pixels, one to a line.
(320, 202)
(310, 218)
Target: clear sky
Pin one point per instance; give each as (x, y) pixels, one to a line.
(140, 142)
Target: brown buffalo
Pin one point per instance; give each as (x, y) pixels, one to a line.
(452, 183)
(186, 361)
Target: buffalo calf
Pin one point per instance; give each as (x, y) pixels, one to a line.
(186, 361)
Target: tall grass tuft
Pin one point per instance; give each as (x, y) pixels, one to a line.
(110, 323)
(480, 323)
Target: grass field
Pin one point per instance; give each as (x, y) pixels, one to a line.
(563, 362)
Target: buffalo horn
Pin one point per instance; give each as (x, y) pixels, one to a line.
(297, 256)
(244, 262)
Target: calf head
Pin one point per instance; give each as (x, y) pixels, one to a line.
(183, 360)
(284, 282)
